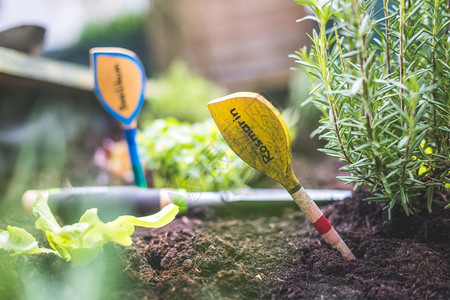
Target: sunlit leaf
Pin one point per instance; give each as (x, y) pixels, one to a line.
(21, 242)
(81, 242)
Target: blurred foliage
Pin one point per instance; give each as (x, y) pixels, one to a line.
(48, 277)
(118, 28)
(291, 117)
(180, 94)
(45, 147)
(194, 157)
(306, 115)
(126, 31)
(299, 88)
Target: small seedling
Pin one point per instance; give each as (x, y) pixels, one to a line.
(254, 129)
(80, 242)
(119, 79)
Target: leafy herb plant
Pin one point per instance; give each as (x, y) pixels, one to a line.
(382, 81)
(191, 156)
(81, 242)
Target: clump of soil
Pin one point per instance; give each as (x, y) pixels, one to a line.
(221, 254)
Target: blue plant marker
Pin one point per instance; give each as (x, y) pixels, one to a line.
(139, 177)
(119, 80)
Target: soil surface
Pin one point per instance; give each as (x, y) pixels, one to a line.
(230, 254)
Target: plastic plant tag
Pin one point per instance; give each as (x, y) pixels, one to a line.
(119, 82)
(256, 132)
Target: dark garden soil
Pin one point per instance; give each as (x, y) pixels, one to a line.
(210, 254)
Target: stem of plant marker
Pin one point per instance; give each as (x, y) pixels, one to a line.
(130, 136)
(320, 222)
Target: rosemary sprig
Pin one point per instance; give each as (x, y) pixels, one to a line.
(383, 86)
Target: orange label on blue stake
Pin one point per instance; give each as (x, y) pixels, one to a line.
(119, 82)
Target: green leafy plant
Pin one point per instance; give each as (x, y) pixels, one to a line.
(122, 26)
(190, 156)
(81, 242)
(382, 81)
(181, 94)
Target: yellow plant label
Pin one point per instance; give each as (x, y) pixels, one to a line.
(254, 129)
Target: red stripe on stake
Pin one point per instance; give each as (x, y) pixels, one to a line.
(322, 225)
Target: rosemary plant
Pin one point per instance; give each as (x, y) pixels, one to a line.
(382, 80)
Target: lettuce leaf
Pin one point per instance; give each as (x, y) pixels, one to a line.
(21, 242)
(81, 242)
